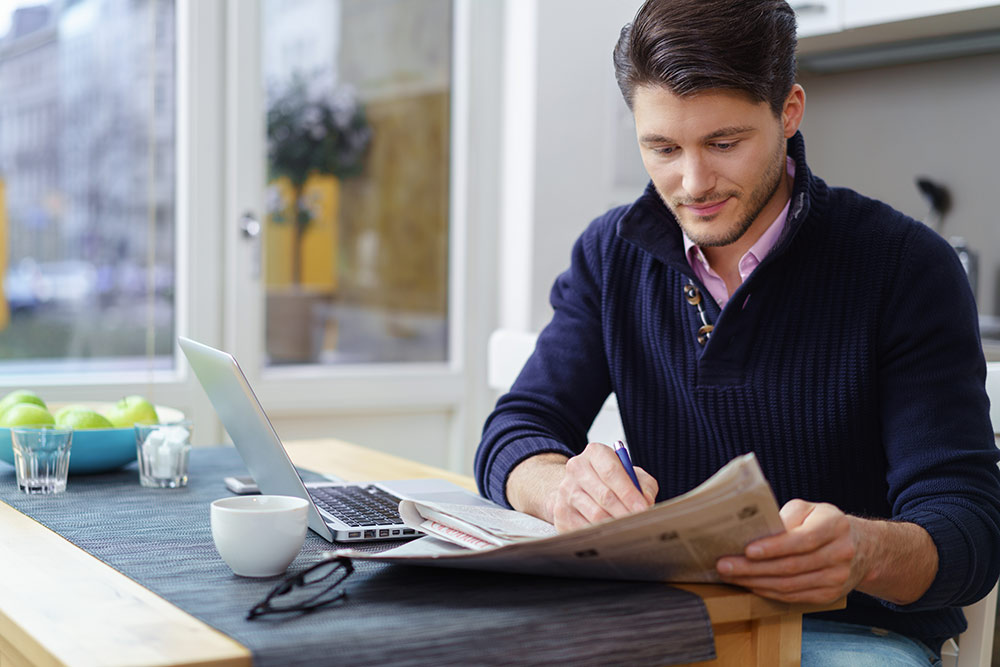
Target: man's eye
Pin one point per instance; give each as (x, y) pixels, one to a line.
(664, 150)
(726, 145)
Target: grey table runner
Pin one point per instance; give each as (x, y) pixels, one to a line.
(397, 615)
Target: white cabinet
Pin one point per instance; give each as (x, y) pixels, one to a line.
(859, 13)
(826, 19)
(836, 26)
(818, 17)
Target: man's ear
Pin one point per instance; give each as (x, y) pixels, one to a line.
(794, 110)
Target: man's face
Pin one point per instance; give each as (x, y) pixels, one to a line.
(717, 160)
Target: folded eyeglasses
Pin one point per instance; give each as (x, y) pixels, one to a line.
(308, 590)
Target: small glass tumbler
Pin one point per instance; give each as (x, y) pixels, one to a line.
(41, 458)
(162, 451)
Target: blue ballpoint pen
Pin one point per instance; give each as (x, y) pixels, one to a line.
(621, 449)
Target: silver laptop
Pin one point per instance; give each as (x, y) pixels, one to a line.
(342, 512)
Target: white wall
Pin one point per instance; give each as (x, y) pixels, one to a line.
(877, 130)
(574, 144)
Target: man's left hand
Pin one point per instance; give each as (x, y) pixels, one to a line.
(824, 554)
(816, 560)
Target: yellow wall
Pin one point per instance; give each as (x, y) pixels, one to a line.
(319, 242)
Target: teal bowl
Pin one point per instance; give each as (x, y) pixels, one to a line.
(97, 449)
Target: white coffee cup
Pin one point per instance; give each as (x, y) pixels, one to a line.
(259, 536)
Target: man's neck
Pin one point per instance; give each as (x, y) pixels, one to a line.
(725, 260)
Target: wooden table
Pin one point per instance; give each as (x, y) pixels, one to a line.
(59, 605)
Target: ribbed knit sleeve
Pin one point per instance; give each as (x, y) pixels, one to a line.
(563, 384)
(942, 471)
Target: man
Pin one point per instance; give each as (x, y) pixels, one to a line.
(741, 304)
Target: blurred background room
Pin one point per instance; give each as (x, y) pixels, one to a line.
(351, 195)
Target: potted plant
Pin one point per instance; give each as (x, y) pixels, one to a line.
(308, 134)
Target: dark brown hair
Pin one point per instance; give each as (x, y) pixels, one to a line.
(689, 46)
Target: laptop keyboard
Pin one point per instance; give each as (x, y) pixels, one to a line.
(359, 505)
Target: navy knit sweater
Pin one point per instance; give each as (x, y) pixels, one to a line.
(849, 362)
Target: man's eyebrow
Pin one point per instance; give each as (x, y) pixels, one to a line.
(653, 138)
(728, 132)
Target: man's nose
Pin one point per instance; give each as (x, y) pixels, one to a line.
(698, 178)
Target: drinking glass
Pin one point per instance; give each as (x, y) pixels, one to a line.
(162, 451)
(41, 458)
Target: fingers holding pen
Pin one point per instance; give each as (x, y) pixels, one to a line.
(645, 483)
(596, 487)
(613, 487)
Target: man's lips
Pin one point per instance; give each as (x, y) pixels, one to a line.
(706, 210)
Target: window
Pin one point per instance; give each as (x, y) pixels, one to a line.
(358, 97)
(87, 151)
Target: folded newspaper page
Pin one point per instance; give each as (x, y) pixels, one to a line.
(677, 540)
(473, 526)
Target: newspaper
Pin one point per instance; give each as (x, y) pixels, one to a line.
(677, 540)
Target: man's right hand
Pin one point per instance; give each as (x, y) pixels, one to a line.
(572, 493)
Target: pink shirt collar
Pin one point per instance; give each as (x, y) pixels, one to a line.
(750, 260)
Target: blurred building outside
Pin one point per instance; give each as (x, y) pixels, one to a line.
(87, 136)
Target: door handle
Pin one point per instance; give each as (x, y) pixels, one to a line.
(249, 225)
(250, 230)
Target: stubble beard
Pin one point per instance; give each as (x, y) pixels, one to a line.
(756, 201)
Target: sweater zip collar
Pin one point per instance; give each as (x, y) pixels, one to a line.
(650, 226)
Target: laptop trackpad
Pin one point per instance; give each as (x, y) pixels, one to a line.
(435, 490)
(456, 498)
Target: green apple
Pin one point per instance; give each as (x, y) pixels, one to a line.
(26, 414)
(20, 396)
(78, 417)
(66, 409)
(132, 410)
